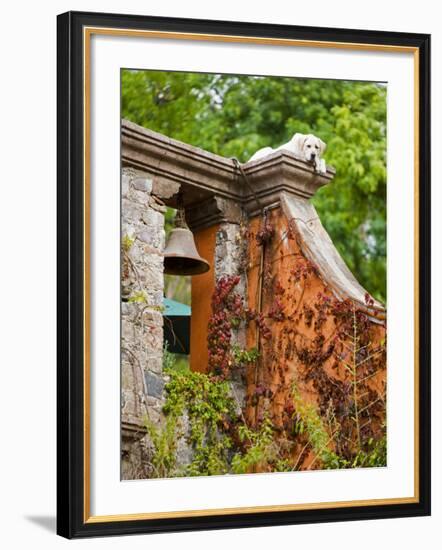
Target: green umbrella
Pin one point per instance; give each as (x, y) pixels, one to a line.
(177, 326)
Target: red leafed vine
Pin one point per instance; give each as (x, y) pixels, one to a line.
(227, 313)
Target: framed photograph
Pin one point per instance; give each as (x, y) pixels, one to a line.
(237, 205)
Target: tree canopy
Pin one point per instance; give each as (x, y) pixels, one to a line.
(233, 115)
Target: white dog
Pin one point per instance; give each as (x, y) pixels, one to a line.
(306, 146)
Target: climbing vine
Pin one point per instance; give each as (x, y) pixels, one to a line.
(227, 314)
(200, 409)
(210, 409)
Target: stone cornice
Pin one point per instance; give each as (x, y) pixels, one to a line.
(205, 175)
(280, 172)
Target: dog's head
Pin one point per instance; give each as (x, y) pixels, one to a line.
(312, 147)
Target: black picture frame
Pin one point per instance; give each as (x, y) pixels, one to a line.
(71, 518)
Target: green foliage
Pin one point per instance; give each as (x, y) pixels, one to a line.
(321, 440)
(164, 441)
(168, 359)
(244, 356)
(174, 361)
(236, 115)
(127, 242)
(374, 457)
(310, 423)
(207, 403)
(169, 218)
(210, 409)
(210, 458)
(261, 448)
(139, 297)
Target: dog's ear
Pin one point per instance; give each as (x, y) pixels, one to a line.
(298, 142)
(322, 146)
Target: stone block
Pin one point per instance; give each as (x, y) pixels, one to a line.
(165, 189)
(152, 278)
(143, 184)
(152, 236)
(153, 339)
(129, 404)
(154, 384)
(154, 402)
(127, 376)
(135, 252)
(154, 364)
(129, 310)
(130, 210)
(125, 183)
(153, 218)
(127, 330)
(140, 197)
(157, 205)
(128, 228)
(157, 298)
(154, 416)
(152, 318)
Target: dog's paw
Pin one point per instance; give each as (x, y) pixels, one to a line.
(321, 167)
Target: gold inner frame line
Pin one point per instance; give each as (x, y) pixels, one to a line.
(87, 33)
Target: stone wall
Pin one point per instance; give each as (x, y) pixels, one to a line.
(142, 238)
(142, 287)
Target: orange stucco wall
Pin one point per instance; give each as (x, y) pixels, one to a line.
(202, 290)
(284, 358)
